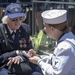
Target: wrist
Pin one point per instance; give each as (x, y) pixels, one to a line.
(21, 60)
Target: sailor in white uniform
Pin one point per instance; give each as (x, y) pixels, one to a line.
(62, 61)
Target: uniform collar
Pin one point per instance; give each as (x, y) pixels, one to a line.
(68, 35)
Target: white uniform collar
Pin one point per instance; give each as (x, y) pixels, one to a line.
(68, 35)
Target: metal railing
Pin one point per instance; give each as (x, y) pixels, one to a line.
(39, 6)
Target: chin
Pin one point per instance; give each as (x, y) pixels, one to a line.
(17, 27)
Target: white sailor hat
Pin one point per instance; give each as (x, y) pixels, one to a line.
(54, 16)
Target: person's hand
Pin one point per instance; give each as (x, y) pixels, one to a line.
(15, 60)
(34, 59)
(31, 52)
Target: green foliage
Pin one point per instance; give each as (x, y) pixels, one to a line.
(37, 40)
(40, 40)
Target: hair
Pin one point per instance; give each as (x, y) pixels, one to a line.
(64, 27)
(4, 19)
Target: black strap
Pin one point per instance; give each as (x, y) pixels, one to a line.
(3, 32)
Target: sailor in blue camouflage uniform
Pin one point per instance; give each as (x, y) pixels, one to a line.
(62, 61)
(14, 36)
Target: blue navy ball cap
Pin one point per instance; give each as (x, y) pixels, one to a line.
(14, 10)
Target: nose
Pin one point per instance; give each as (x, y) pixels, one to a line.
(18, 19)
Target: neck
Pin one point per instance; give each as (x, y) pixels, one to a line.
(60, 36)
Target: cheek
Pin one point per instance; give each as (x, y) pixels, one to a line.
(46, 29)
(10, 22)
(18, 22)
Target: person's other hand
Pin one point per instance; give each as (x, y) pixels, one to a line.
(31, 52)
(34, 59)
(15, 60)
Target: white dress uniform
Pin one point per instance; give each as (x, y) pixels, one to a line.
(62, 61)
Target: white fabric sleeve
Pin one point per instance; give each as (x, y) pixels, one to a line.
(62, 63)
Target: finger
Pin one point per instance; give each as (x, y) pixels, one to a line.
(9, 62)
(9, 58)
(31, 52)
(13, 60)
(17, 60)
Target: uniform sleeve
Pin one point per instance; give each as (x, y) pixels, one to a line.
(62, 62)
(46, 58)
(9, 54)
(4, 57)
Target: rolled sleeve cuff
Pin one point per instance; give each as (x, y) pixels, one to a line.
(39, 63)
